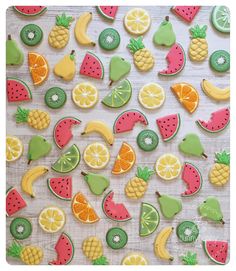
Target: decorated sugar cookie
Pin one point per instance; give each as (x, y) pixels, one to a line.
(191, 145)
(93, 249)
(217, 251)
(116, 238)
(100, 127)
(61, 187)
(30, 176)
(137, 21)
(119, 67)
(125, 159)
(187, 231)
(30, 11)
(137, 186)
(92, 66)
(31, 34)
(82, 209)
(143, 58)
(59, 35)
(38, 67)
(220, 171)
(186, 13)
(17, 90)
(97, 183)
(189, 258)
(35, 118)
(165, 35)
(107, 12)
(20, 228)
(198, 49)
(215, 93)
(211, 210)
(220, 18)
(170, 206)
(109, 39)
(14, 148)
(29, 254)
(14, 55)
(55, 97)
(147, 140)
(169, 126)
(66, 67)
(220, 61)
(134, 258)
(14, 201)
(160, 244)
(65, 250)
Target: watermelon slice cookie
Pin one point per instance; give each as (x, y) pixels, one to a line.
(176, 59)
(92, 66)
(62, 131)
(217, 251)
(126, 120)
(30, 11)
(114, 211)
(218, 122)
(64, 249)
(107, 12)
(17, 90)
(61, 187)
(14, 201)
(169, 126)
(186, 13)
(193, 178)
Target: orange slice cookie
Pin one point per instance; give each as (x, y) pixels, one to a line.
(82, 210)
(187, 96)
(38, 67)
(124, 160)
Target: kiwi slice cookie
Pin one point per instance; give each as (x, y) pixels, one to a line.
(116, 238)
(187, 231)
(147, 140)
(31, 34)
(220, 61)
(55, 97)
(109, 39)
(20, 228)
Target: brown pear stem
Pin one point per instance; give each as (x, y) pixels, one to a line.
(158, 194)
(72, 52)
(204, 155)
(83, 173)
(9, 37)
(111, 82)
(167, 18)
(83, 133)
(29, 161)
(222, 221)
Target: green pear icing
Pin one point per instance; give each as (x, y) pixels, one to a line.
(165, 35)
(97, 183)
(210, 209)
(191, 145)
(38, 147)
(119, 67)
(14, 55)
(170, 206)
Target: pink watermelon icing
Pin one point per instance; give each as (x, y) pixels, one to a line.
(176, 60)
(114, 211)
(62, 131)
(108, 12)
(17, 90)
(217, 251)
(92, 66)
(65, 250)
(14, 201)
(193, 178)
(61, 187)
(30, 10)
(187, 13)
(126, 120)
(218, 122)
(169, 126)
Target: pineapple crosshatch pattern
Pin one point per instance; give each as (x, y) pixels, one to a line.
(118, 135)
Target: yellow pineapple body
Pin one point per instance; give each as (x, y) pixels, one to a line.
(58, 37)
(136, 188)
(92, 248)
(143, 59)
(38, 119)
(31, 255)
(219, 174)
(198, 50)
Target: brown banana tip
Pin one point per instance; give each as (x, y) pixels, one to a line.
(83, 173)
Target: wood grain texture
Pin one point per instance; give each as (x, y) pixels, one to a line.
(192, 73)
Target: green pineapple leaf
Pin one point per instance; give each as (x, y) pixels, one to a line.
(22, 115)
(222, 158)
(63, 20)
(198, 32)
(189, 259)
(144, 173)
(14, 250)
(101, 261)
(136, 45)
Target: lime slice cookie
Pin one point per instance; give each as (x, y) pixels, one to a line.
(85, 95)
(137, 21)
(220, 18)
(149, 219)
(119, 96)
(151, 96)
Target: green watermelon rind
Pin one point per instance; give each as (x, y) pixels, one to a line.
(103, 208)
(110, 106)
(172, 74)
(56, 195)
(100, 62)
(103, 14)
(129, 110)
(200, 187)
(208, 254)
(31, 15)
(23, 83)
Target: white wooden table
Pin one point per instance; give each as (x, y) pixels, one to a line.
(193, 73)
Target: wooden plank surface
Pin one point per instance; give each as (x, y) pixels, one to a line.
(192, 73)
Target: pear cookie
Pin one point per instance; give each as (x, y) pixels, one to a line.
(92, 66)
(109, 39)
(165, 36)
(220, 61)
(55, 98)
(20, 228)
(220, 171)
(66, 68)
(59, 35)
(147, 140)
(119, 67)
(14, 55)
(187, 231)
(31, 34)
(198, 49)
(143, 58)
(116, 238)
